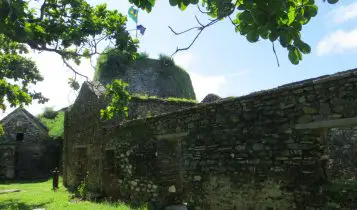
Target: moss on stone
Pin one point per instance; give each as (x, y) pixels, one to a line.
(145, 75)
(173, 99)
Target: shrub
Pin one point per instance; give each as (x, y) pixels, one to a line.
(142, 55)
(82, 189)
(49, 113)
(166, 60)
(110, 63)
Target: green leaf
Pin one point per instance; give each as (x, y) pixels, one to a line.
(246, 16)
(273, 36)
(284, 39)
(182, 6)
(297, 26)
(303, 47)
(252, 36)
(86, 53)
(291, 16)
(312, 10)
(244, 28)
(295, 55)
(332, 1)
(186, 2)
(264, 32)
(293, 58)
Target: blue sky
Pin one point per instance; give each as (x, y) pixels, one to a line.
(222, 61)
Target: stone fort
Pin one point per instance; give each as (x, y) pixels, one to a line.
(273, 149)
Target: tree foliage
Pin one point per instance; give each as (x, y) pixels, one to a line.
(119, 100)
(49, 113)
(55, 125)
(274, 20)
(110, 63)
(71, 28)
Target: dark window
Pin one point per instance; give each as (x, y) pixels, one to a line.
(19, 136)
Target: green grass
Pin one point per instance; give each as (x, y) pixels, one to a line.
(40, 195)
(145, 97)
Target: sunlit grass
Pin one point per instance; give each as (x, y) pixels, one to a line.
(40, 195)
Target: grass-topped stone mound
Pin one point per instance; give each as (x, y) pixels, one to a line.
(161, 78)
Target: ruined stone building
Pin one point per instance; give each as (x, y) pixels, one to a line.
(273, 149)
(25, 148)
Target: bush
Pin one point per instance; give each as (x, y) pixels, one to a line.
(49, 113)
(166, 60)
(110, 63)
(82, 189)
(142, 56)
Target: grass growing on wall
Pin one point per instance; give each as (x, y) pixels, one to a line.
(40, 195)
(55, 126)
(146, 97)
(113, 63)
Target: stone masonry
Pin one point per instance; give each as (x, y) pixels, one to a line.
(265, 150)
(26, 150)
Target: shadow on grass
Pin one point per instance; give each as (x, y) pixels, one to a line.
(16, 204)
(24, 181)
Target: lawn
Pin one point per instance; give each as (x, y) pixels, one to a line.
(40, 195)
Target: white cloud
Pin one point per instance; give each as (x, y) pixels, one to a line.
(204, 85)
(184, 59)
(338, 42)
(345, 13)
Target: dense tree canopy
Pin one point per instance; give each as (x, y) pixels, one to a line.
(73, 29)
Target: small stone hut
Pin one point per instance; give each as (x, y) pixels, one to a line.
(25, 149)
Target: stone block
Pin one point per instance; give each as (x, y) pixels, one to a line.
(176, 207)
(305, 119)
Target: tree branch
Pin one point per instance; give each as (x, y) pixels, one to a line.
(199, 8)
(42, 10)
(72, 69)
(201, 28)
(276, 56)
(198, 21)
(178, 33)
(232, 21)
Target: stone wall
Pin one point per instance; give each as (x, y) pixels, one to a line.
(265, 150)
(31, 155)
(83, 129)
(342, 149)
(21, 123)
(151, 77)
(7, 161)
(29, 160)
(37, 160)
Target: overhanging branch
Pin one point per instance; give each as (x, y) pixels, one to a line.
(199, 28)
(74, 71)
